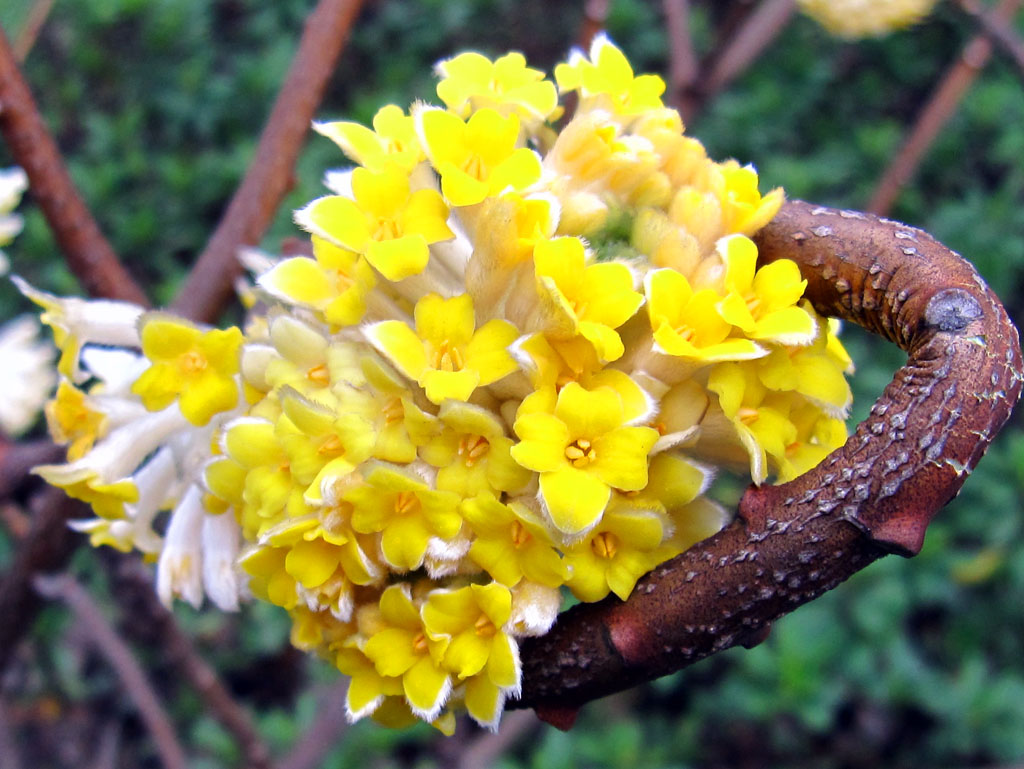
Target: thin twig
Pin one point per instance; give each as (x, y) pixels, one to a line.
(210, 285)
(10, 755)
(89, 617)
(482, 752)
(16, 459)
(88, 254)
(107, 747)
(29, 32)
(48, 547)
(683, 64)
(1000, 32)
(180, 650)
(323, 734)
(940, 108)
(758, 31)
(595, 16)
(734, 54)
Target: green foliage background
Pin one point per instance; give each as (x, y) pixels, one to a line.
(158, 105)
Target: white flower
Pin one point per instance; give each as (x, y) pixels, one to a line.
(27, 376)
(13, 183)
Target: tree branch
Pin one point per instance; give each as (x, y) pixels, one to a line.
(210, 285)
(178, 648)
(16, 459)
(48, 547)
(940, 108)
(873, 496)
(30, 30)
(998, 30)
(88, 253)
(758, 30)
(129, 671)
(595, 16)
(683, 64)
(326, 731)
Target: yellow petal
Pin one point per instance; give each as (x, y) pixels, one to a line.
(400, 345)
(575, 499)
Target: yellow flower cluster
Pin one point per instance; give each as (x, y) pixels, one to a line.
(866, 18)
(506, 369)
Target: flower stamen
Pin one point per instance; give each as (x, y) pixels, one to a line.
(472, 448)
(605, 544)
(520, 536)
(580, 452)
(447, 357)
(406, 502)
(484, 628)
(319, 375)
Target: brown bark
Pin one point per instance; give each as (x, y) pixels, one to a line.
(873, 496)
(210, 285)
(87, 252)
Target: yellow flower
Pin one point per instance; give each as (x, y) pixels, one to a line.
(471, 81)
(582, 449)
(686, 324)
(195, 367)
(387, 404)
(576, 298)
(470, 621)
(812, 371)
(744, 209)
(255, 455)
(512, 543)
(368, 688)
(473, 453)
(270, 579)
(75, 420)
(445, 355)
(334, 283)
(760, 418)
(615, 553)
(407, 510)
(389, 224)
(477, 158)
(321, 543)
(866, 18)
(403, 648)
(817, 436)
(608, 73)
(323, 443)
(764, 303)
(392, 140)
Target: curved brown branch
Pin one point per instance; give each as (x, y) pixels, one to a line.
(874, 495)
(88, 253)
(210, 285)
